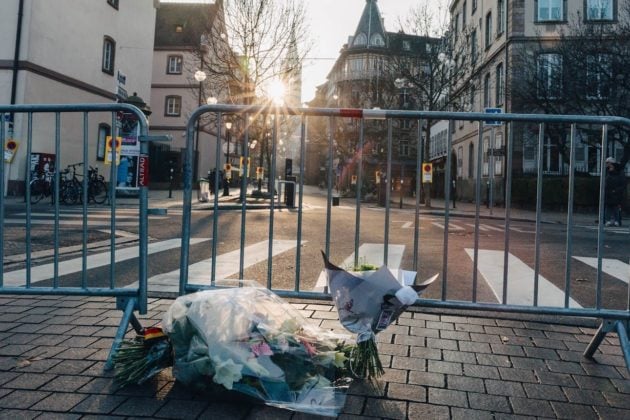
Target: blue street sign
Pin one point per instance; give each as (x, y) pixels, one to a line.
(493, 111)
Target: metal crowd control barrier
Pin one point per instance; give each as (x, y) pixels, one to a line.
(613, 319)
(29, 280)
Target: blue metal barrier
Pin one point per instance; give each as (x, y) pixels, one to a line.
(36, 117)
(614, 319)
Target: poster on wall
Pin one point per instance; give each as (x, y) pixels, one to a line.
(127, 171)
(42, 164)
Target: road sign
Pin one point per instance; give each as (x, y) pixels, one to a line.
(109, 146)
(493, 111)
(260, 172)
(354, 180)
(10, 149)
(377, 174)
(427, 172)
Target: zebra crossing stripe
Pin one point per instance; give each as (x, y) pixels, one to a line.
(227, 265)
(45, 271)
(521, 281)
(91, 223)
(451, 226)
(610, 266)
(370, 253)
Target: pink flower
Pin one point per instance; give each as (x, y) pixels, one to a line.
(261, 349)
(310, 348)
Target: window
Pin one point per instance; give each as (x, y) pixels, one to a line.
(486, 91)
(600, 9)
(550, 10)
(173, 106)
(406, 45)
(473, 6)
(456, 24)
(500, 85)
(598, 76)
(360, 39)
(460, 161)
(104, 130)
(403, 148)
(484, 157)
(377, 40)
(488, 29)
(471, 95)
(471, 161)
(113, 3)
(500, 16)
(473, 46)
(109, 55)
(549, 68)
(464, 15)
(174, 64)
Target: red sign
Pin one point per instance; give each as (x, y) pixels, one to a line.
(11, 145)
(427, 168)
(143, 171)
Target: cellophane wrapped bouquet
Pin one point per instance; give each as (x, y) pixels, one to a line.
(368, 302)
(248, 340)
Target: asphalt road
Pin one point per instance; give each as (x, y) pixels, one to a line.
(461, 282)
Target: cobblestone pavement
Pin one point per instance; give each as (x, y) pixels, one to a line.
(53, 349)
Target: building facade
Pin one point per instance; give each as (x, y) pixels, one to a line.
(71, 51)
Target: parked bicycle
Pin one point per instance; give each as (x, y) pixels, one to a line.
(72, 188)
(42, 186)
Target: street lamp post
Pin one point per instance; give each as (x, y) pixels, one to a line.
(200, 76)
(226, 184)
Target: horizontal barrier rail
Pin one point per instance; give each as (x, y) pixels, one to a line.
(41, 128)
(617, 315)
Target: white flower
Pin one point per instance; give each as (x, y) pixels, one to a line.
(226, 372)
(406, 295)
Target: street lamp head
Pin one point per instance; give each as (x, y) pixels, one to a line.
(228, 125)
(400, 82)
(212, 100)
(200, 76)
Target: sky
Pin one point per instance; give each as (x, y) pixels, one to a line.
(331, 23)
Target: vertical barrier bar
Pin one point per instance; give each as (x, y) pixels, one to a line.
(216, 212)
(539, 183)
(84, 190)
(329, 192)
(243, 196)
(491, 171)
(508, 210)
(600, 230)
(477, 209)
(272, 178)
(56, 195)
(29, 150)
(447, 206)
(187, 207)
(2, 193)
(113, 173)
(143, 230)
(388, 190)
(357, 225)
(416, 223)
(298, 252)
(569, 244)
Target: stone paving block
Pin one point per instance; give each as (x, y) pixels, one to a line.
(8, 377)
(98, 404)
(544, 392)
(470, 414)
(407, 392)
(505, 388)
(507, 349)
(66, 383)
(10, 414)
(386, 408)
(596, 369)
(76, 353)
(49, 339)
(325, 315)
(444, 367)
(541, 353)
(22, 338)
(35, 365)
(528, 363)
(428, 411)
(397, 329)
(464, 383)
(486, 402)
(412, 322)
(454, 319)
(584, 396)
(565, 367)
(393, 349)
(524, 332)
(489, 329)
(609, 359)
(427, 379)
(549, 344)
(493, 360)
(474, 347)
(551, 378)
(384, 338)
(29, 381)
(409, 340)
(482, 321)
(367, 388)
(354, 404)
(454, 335)
(426, 353)
(181, 409)
(517, 375)
(22, 399)
(621, 385)
(611, 413)
(570, 356)
(561, 336)
(71, 367)
(437, 343)
(439, 325)
(395, 375)
(458, 356)
(477, 371)
(423, 332)
(426, 317)
(469, 328)
(531, 407)
(448, 397)
(59, 401)
(573, 411)
(138, 407)
(99, 386)
(617, 400)
(15, 349)
(409, 363)
(44, 352)
(485, 338)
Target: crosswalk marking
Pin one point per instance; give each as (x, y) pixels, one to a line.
(45, 271)
(227, 265)
(521, 281)
(372, 254)
(92, 215)
(92, 223)
(610, 266)
(451, 226)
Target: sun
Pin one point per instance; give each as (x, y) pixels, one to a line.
(276, 91)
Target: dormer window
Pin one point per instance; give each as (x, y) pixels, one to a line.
(360, 39)
(377, 40)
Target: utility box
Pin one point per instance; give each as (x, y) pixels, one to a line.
(289, 191)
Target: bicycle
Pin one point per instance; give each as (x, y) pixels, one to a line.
(72, 188)
(42, 186)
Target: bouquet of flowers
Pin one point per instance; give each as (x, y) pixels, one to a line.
(368, 302)
(248, 340)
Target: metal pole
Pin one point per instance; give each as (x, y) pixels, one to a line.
(226, 183)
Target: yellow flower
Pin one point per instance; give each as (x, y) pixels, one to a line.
(340, 359)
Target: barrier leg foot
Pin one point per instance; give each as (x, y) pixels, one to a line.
(605, 327)
(622, 332)
(127, 318)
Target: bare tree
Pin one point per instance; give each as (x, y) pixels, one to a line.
(585, 71)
